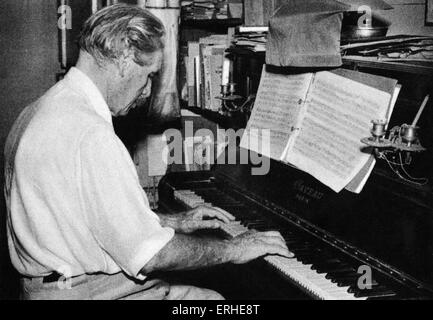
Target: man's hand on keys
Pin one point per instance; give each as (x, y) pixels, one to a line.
(253, 244)
(201, 217)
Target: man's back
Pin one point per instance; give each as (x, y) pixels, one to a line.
(40, 157)
(69, 180)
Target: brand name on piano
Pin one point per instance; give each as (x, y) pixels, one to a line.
(198, 149)
(305, 193)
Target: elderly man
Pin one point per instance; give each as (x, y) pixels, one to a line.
(79, 224)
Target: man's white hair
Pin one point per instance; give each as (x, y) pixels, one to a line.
(122, 29)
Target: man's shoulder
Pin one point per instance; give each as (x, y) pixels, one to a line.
(60, 117)
(64, 100)
(63, 109)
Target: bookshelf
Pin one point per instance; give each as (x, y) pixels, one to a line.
(192, 30)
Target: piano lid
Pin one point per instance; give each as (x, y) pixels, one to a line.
(389, 219)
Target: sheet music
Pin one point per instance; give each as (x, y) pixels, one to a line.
(278, 103)
(338, 114)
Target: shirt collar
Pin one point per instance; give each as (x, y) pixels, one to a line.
(80, 81)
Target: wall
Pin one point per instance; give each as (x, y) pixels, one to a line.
(28, 66)
(407, 17)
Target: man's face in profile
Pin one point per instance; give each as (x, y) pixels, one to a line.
(136, 83)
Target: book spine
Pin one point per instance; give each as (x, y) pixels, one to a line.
(208, 79)
(192, 53)
(202, 76)
(216, 80)
(197, 81)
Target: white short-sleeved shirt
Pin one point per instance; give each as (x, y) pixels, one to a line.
(74, 200)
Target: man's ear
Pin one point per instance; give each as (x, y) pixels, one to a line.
(123, 64)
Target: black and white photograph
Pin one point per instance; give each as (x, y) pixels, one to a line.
(238, 152)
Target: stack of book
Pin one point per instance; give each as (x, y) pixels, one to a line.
(250, 38)
(207, 68)
(204, 9)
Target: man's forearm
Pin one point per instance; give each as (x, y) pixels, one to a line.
(185, 252)
(168, 220)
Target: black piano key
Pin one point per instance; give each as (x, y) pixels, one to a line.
(326, 268)
(375, 294)
(308, 255)
(313, 260)
(252, 225)
(292, 243)
(228, 205)
(239, 214)
(264, 228)
(374, 287)
(290, 237)
(303, 244)
(390, 297)
(271, 227)
(340, 273)
(323, 263)
(307, 258)
(257, 222)
(302, 250)
(346, 281)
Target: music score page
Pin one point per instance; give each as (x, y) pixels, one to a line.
(279, 101)
(338, 114)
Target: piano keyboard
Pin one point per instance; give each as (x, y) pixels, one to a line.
(313, 269)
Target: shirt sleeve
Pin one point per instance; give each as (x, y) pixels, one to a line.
(115, 205)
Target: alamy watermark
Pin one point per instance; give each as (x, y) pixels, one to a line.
(65, 20)
(365, 281)
(65, 280)
(201, 147)
(365, 20)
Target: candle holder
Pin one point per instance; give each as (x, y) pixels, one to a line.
(400, 138)
(378, 133)
(230, 100)
(403, 138)
(395, 148)
(397, 145)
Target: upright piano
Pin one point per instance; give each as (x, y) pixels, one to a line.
(374, 245)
